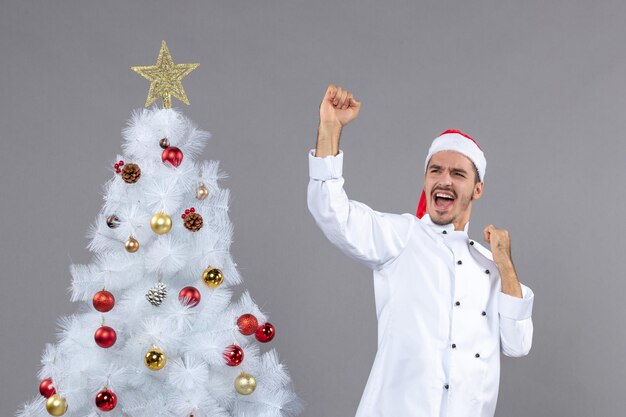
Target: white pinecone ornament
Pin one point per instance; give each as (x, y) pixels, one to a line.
(157, 294)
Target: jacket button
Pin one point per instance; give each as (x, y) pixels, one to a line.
(460, 262)
(453, 345)
(458, 303)
(486, 271)
(477, 355)
(471, 242)
(484, 313)
(446, 386)
(445, 232)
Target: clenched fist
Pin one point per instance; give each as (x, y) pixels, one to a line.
(500, 243)
(338, 106)
(337, 109)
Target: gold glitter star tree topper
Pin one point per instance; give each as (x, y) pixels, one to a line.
(165, 78)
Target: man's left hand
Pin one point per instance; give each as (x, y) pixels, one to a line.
(500, 243)
(501, 250)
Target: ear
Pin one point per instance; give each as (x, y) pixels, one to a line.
(478, 190)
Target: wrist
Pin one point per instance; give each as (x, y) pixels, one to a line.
(330, 127)
(505, 266)
(328, 135)
(503, 261)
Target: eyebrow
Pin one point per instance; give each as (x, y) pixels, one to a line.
(461, 170)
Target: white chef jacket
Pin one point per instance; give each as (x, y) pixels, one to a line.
(442, 318)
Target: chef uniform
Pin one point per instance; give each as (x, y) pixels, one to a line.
(442, 318)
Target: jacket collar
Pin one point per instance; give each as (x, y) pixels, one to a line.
(448, 228)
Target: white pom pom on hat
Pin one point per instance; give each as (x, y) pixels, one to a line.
(454, 140)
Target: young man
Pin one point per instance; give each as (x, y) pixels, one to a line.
(446, 306)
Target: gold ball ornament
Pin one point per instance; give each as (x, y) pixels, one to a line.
(245, 384)
(161, 223)
(202, 192)
(56, 405)
(212, 277)
(155, 359)
(131, 245)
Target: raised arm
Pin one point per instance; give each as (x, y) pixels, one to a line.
(373, 238)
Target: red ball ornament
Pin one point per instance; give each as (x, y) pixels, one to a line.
(103, 301)
(46, 388)
(265, 333)
(189, 296)
(105, 337)
(106, 400)
(173, 155)
(233, 355)
(247, 324)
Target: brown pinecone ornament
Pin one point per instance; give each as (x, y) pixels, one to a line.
(131, 173)
(193, 222)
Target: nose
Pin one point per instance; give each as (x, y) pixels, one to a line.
(445, 179)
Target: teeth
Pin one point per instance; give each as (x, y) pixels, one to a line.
(443, 196)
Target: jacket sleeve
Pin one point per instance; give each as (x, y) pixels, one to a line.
(374, 239)
(516, 324)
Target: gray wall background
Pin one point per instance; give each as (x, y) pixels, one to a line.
(541, 85)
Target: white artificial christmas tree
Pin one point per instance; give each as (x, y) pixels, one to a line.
(157, 333)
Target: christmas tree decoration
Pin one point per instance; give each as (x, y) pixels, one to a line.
(113, 221)
(172, 155)
(265, 333)
(212, 277)
(165, 78)
(189, 342)
(131, 245)
(131, 173)
(105, 337)
(56, 405)
(202, 191)
(189, 296)
(193, 220)
(247, 324)
(157, 294)
(161, 223)
(233, 355)
(106, 400)
(118, 166)
(245, 384)
(46, 388)
(103, 301)
(155, 359)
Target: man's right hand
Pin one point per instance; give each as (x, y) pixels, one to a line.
(338, 107)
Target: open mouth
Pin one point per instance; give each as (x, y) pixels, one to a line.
(443, 200)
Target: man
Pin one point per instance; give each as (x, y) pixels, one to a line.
(446, 306)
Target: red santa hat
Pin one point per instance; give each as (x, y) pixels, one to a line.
(454, 140)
